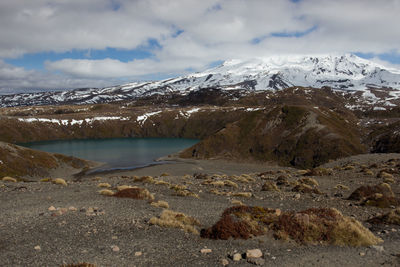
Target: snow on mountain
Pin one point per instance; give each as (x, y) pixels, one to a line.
(341, 72)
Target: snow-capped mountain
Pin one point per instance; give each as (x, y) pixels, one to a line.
(340, 72)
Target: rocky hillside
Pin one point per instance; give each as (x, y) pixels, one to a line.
(17, 161)
(300, 136)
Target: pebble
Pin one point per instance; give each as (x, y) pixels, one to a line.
(297, 196)
(394, 230)
(237, 257)
(37, 248)
(253, 253)
(256, 261)
(362, 254)
(205, 250)
(71, 208)
(224, 262)
(51, 208)
(378, 248)
(115, 248)
(138, 253)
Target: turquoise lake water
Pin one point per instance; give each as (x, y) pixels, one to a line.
(119, 153)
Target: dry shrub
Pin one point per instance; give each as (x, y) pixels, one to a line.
(270, 186)
(303, 188)
(348, 168)
(135, 193)
(83, 264)
(165, 174)
(201, 176)
(160, 204)
(106, 185)
(309, 181)
(169, 218)
(383, 174)
(367, 191)
(388, 180)
(319, 172)
(122, 187)
(9, 179)
(187, 176)
(231, 184)
(248, 177)
(282, 180)
(106, 192)
(59, 181)
(342, 187)
(367, 172)
(312, 226)
(392, 217)
(239, 179)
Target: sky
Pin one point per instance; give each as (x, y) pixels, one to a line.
(64, 44)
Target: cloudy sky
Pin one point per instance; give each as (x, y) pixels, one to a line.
(55, 44)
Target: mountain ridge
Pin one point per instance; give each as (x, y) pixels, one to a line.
(347, 73)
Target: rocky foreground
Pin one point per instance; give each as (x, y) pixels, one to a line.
(207, 213)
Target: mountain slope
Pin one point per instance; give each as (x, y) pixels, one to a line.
(341, 72)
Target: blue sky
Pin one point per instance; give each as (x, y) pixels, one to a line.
(94, 43)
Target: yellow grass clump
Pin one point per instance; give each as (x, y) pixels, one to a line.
(185, 193)
(231, 184)
(160, 204)
(9, 179)
(45, 180)
(105, 185)
(169, 218)
(178, 187)
(162, 182)
(144, 179)
(187, 176)
(106, 192)
(237, 202)
(270, 186)
(135, 193)
(165, 174)
(59, 181)
(302, 172)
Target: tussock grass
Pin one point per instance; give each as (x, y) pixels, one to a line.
(106, 192)
(221, 183)
(185, 193)
(162, 182)
(270, 186)
(392, 217)
(169, 218)
(105, 185)
(9, 179)
(123, 187)
(165, 174)
(304, 188)
(59, 181)
(309, 181)
(177, 187)
(302, 172)
(135, 193)
(313, 226)
(385, 175)
(160, 204)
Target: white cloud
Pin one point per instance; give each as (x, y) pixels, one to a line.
(211, 30)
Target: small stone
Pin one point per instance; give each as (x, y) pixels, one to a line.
(114, 237)
(297, 196)
(362, 254)
(51, 208)
(84, 251)
(253, 253)
(37, 248)
(273, 258)
(256, 261)
(115, 248)
(83, 209)
(205, 250)
(378, 248)
(63, 211)
(90, 210)
(138, 253)
(71, 208)
(224, 262)
(237, 257)
(394, 230)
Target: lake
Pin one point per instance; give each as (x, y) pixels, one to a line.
(116, 153)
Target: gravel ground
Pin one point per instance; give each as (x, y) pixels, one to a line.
(86, 226)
